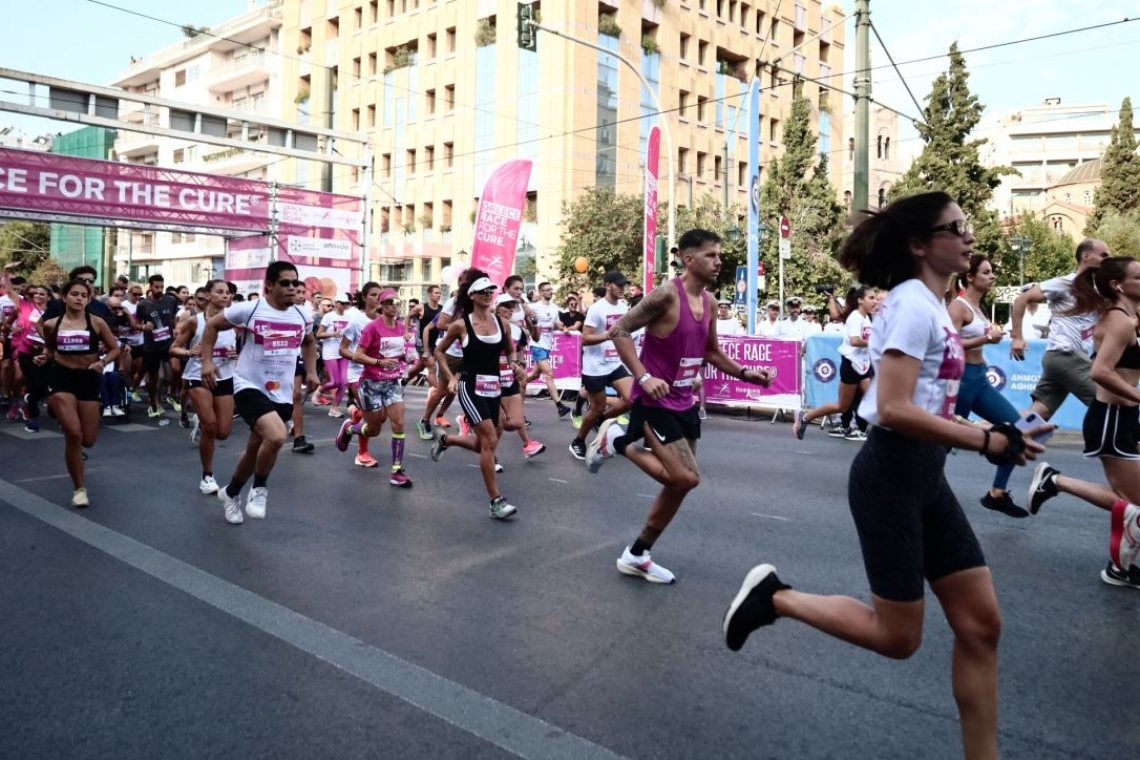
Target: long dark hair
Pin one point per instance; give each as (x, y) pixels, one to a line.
(363, 293)
(462, 299)
(962, 281)
(851, 304)
(878, 250)
(1092, 288)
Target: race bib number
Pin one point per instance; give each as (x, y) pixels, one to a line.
(160, 334)
(71, 340)
(277, 339)
(506, 374)
(487, 386)
(391, 348)
(221, 352)
(687, 372)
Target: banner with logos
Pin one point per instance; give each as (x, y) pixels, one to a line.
(1013, 379)
(321, 263)
(652, 159)
(780, 357)
(499, 218)
(565, 361)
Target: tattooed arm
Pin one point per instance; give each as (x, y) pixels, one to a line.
(655, 305)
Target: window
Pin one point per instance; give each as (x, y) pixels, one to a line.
(179, 156)
(431, 40)
(370, 121)
(879, 147)
(374, 11)
(887, 148)
(701, 161)
(446, 211)
(847, 198)
(1088, 198)
(371, 64)
(358, 18)
(759, 21)
(742, 174)
(180, 78)
(411, 161)
(682, 160)
(744, 15)
(798, 62)
(386, 165)
(427, 218)
(356, 120)
(449, 156)
(429, 97)
(882, 197)
(682, 103)
(333, 29)
(685, 47)
(356, 68)
(851, 149)
(774, 131)
(449, 40)
(801, 16)
(702, 52)
(717, 169)
(449, 97)
(429, 158)
(701, 101)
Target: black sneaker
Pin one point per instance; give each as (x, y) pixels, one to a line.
(1043, 486)
(526, 421)
(563, 410)
(1003, 504)
(1114, 576)
(578, 449)
(837, 431)
(301, 446)
(753, 606)
(184, 420)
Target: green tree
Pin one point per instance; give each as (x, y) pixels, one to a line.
(1119, 189)
(950, 160)
(1049, 254)
(708, 214)
(606, 229)
(1122, 233)
(48, 272)
(797, 186)
(26, 242)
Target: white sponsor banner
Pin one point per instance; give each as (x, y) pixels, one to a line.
(254, 258)
(314, 216)
(319, 248)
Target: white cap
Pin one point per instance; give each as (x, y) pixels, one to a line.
(505, 298)
(343, 298)
(483, 283)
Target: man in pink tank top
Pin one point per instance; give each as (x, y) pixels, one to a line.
(680, 334)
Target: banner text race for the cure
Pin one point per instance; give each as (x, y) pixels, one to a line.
(499, 218)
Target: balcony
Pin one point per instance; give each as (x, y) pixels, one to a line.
(241, 71)
(136, 144)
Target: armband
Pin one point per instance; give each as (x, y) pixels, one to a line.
(1013, 449)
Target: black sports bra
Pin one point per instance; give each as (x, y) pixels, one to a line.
(76, 342)
(1130, 357)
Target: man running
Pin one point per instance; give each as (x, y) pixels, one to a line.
(680, 335)
(276, 331)
(546, 321)
(156, 314)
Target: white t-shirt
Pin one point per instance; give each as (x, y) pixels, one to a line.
(134, 337)
(800, 329)
(1066, 333)
(858, 326)
(545, 317)
(730, 326)
(1035, 325)
(449, 308)
(833, 328)
(272, 344)
(357, 321)
(767, 328)
(915, 322)
(332, 322)
(601, 359)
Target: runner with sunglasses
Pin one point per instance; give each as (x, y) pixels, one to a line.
(368, 300)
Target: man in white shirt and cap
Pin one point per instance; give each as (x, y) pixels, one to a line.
(726, 321)
(768, 326)
(794, 326)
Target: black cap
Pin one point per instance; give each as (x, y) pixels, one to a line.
(615, 278)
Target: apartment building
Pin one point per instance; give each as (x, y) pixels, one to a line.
(237, 66)
(446, 94)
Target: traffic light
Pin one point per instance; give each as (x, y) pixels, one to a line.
(526, 33)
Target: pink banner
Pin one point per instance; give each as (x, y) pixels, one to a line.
(327, 266)
(565, 360)
(652, 158)
(52, 187)
(498, 220)
(780, 357)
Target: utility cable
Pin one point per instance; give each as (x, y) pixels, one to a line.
(902, 79)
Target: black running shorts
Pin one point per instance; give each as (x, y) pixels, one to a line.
(84, 384)
(665, 424)
(599, 383)
(252, 405)
(221, 387)
(1111, 431)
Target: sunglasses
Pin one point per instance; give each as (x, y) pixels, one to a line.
(88, 280)
(389, 302)
(485, 292)
(291, 283)
(959, 227)
(136, 292)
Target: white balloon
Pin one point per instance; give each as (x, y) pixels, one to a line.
(446, 273)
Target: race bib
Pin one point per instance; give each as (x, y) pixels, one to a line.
(687, 372)
(506, 374)
(277, 339)
(487, 386)
(160, 334)
(221, 352)
(71, 340)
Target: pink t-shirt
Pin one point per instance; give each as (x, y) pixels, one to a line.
(24, 334)
(379, 341)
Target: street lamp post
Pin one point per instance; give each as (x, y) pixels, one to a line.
(762, 236)
(1021, 245)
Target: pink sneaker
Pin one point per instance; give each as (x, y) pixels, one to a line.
(365, 460)
(533, 449)
(461, 421)
(400, 479)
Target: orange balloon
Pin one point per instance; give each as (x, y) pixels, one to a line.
(580, 265)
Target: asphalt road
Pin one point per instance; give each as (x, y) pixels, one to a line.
(360, 620)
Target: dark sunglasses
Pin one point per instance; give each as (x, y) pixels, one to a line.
(88, 280)
(136, 292)
(291, 283)
(485, 292)
(959, 227)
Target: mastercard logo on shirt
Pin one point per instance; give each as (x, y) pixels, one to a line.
(272, 385)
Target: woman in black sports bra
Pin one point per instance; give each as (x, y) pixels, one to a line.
(1112, 423)
(74, 342)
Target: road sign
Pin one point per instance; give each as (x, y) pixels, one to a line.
(785, 248)
(785, 228)
(741, 286)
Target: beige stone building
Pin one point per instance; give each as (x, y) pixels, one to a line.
(1069, 202)
(886, 164)
(446, 94)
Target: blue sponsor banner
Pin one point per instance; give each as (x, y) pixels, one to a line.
(1015, 380)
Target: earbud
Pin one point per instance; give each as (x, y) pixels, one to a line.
(1119, 289)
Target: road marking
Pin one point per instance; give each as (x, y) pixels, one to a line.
(772, 517)
(130, 427)
(417, 456)
(494, 722)
(86, 470)
(556, 480)
(647, 496)
(17, 431)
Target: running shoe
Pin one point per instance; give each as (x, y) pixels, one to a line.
(232, 506)
(423, 428)
(1124, 541)
(255, 503)
(174, 404)
(533, 448)
(319, 399)
(208, 485)
(1114, 576)
(1003, 504)
(643, 567)
(837, 431)
(461, 422)
(563, 410)
(79, 498)
(196, 433)
(301, 446)
(578, 448)
(442, 422)
(438, 447)
(854, 434)
(107, 412)
(184, 420)
(526, 421)
(344, 437)
(135, 397)
(365, 460)
(117, 411)
(13, 413)
(1043, 486)
(753, 605)
(31, 426)
(498, 467)
(602, 447)
(400, 479)
(336, 412)
(500, 509)
(800, 425)
(702, 414)
(153, 412)
(576, 421)
(623, 420)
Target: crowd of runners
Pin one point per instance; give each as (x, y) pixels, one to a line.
(911, 375)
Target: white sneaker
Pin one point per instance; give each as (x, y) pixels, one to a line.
(1124, 540)
(196, 437)
(643, 567)
(107, 413)
(208, 485)
(233, 507)
(117, 411)
(255, 503)
(79, 498)
(602, 447)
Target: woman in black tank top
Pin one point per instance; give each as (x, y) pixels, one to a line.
(73, 343)
(484, 336)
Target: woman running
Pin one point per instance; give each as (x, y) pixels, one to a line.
(975, 393)
(73, 349)
(365, 309)
(329, 334)
(511, 404)
(1112, 422)
(910, 525)
(483, 336)
(213, 407)
(854, 369)
(31, 360)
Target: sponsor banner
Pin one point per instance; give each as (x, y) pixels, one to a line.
(499, 218)
(565, 360)
(755, 135)
(137, 195)
(247, 258)
(652, 158)
(318, 248)
(780, 357)
(1013, 379)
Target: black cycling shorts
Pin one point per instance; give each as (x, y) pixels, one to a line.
(252, 405)
(666, 424)
(221, 387)
(84, 384)
(153, 360)
(599, 383)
